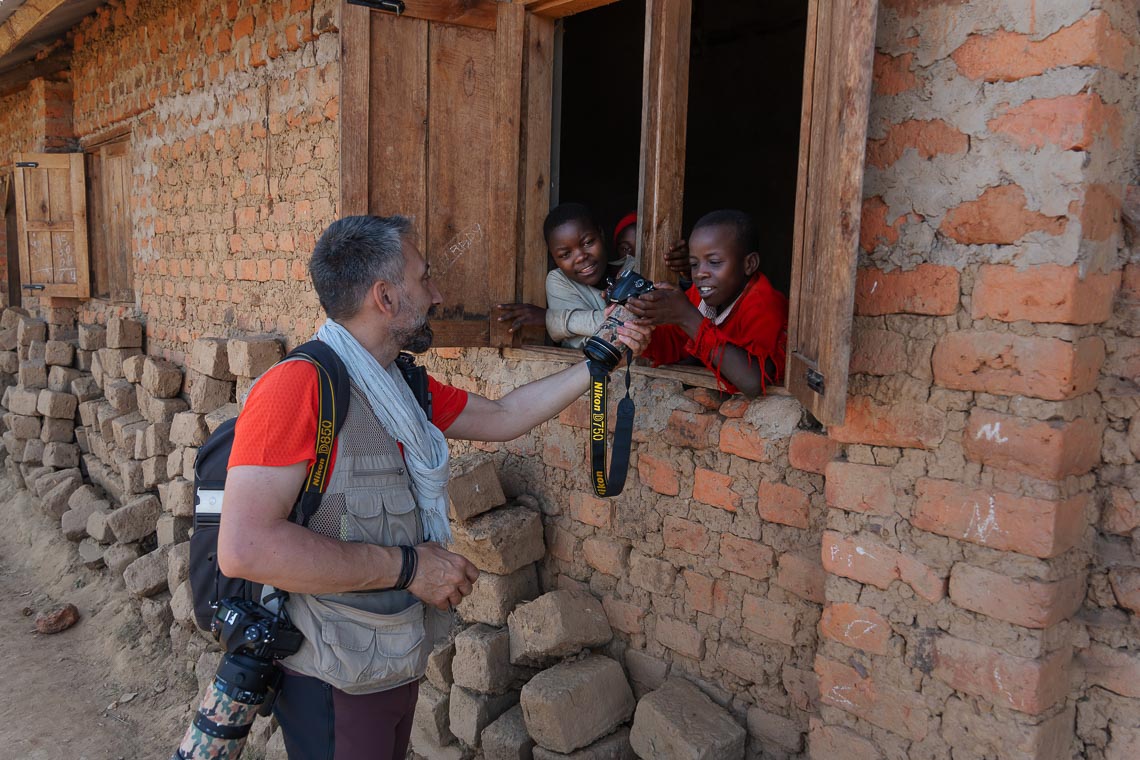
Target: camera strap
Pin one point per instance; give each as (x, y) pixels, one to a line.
(623, 432)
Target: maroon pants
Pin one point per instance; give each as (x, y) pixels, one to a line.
(323, 723)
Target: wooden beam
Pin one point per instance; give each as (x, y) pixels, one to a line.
(19, 77)
(477, 13)
(23, 21)
(664, 119)
(355, 36)
(555, 9)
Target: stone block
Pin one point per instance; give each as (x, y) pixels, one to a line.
(189, 458)
(32, 374)
(574, 704)
(483, 660)
(90, 554)
(23, 425)
(182, 605)
(173, 467)
(177, 564)
(209, 356)
(173, 530)
(160, 410)
(58, 353)
(470, 712)
(774, 730)
(557, 624)
(92, 337)
(250, 357)
(646, 673)
(132, 477)
(14, 446)
(121, 395)
(613, 747)
(89, 412)
(120, 556)
(506, 738)
(33, 451)
(124, 333)
(178, 497)
(111, 361)
(84, 388)
(433, 715)
(97, 526)
(29, 330)
(222, 414)
(123, 429)
(96, 369)
(56, 430)
(156, 615)
(678, 720)
(54, 500)
(74, 520)
(154, 472)
(61, 378)
(156, 440)
(53, 404)
(135, 520)
(146, 576)
(501, 541)
(36, 351)
(188, 429)
(207, 393)
(439, 666)
(23, 401)
(162, 379)
(133, 368)
(81, 440)
(474, 490)
(494, 597)
(61, 455)
(84, 360)
(9, 362)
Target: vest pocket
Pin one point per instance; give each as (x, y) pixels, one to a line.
(362, 652)
(368, 512)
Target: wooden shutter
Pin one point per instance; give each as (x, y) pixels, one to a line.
(431, 128)
(51, 224)
(829, 195)
(109, 215)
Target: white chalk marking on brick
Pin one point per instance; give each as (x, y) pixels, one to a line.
(1001, 687)
(868, 626)
(836, 694)
(874, 286)
(992, 432)
(864, 553)
(983, 527)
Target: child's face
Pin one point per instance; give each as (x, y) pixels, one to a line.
(578, 250)
(627, 241)
(720, 266)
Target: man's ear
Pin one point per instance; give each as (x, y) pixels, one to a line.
(751, 263)
(384, 297)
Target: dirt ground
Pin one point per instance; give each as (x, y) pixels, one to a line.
(101, 690)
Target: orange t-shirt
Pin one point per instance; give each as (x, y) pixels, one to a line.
(278, 425)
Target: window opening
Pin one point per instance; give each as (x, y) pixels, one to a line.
(11, 240)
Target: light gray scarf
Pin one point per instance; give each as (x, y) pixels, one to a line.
(392, 401)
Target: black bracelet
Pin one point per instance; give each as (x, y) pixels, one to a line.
(401, 579)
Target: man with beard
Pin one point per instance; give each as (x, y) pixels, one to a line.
(369, 578)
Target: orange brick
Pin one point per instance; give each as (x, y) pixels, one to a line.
(874, 227)
(928, 138)
(689, 430)
(739, 438)
(802, 574)
(811, 451)
(926, 289)
(772, 620)
(1021, 601)
(1007, 56)
(1046, 450)
(1016, 683)
(1037, 527)
(1117, 670)
(859, 488)
(624, 616)
(745, 556)
(591, 511)
(1098, 211)
(857, 627)
(247, 269)
(842, 687)
(892, 75)
(783, 504)
(869, 560)
(999, 215)
(686, 535)
(705, 594)
(715, 489)
(1046, 293)
(735, 406)
(1070, 122)
(904, 423)
(658, 474)
(878, 352)
(1009, 364)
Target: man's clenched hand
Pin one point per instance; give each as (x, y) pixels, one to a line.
(443, 578)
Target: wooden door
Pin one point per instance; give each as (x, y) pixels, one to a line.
(51, 224)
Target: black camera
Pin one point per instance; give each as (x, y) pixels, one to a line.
(246, 681)
(602, 347)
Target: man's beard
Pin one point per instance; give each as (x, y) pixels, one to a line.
(418, 337)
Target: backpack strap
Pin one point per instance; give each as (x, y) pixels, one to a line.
(332, 411)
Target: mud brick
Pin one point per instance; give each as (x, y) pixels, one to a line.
(222, 414)
(59, 405)
(23, 425)
(984, 734)
(48, 479)
(105, 414)
(189, 457)
(120, 556)
(482, 660)
(133, 368)
(57, 430)
(135, 520)
(157, 440)
(9, 362)
(84, 495)
(576, 703)
(501, 541)
(162, 379)
(90, 554)
(646, 673)
(207, 393)
(61, 455)
(173, 530)
(83, 387)
(613, 747)
(112, 360)
(1026, 685)
(494, 597)
(54, 500)
(154, 472)
(156, 615)
(776, 730)
(36, 351)
(678, 720)
(124, 428)
(61, 378)
(160, 410)
(14, 446)
(74, 520)
(557, 624)
(174, 464)
(23, 401)
(124, 333)
(250, 357)
(209, 356)
(92, 337)
(475, 490)
(8, 340)
(96, 369)
(1117, 670)
(506, 738)
(433, 715)
(132, 477)
(121, 395)
(58, 353)
(188, 429)
(29, 330)
(32, 374)
(439, 665)
(470, 712)
(146, 576)
(33, 452)
(177, 564)
(84, 360)
(242, 387)
(81, 440)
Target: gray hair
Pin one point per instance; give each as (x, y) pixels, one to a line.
(351, 255)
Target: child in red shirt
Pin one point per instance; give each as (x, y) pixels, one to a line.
(731, 318)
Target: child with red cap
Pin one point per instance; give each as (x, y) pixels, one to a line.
(731, 319)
